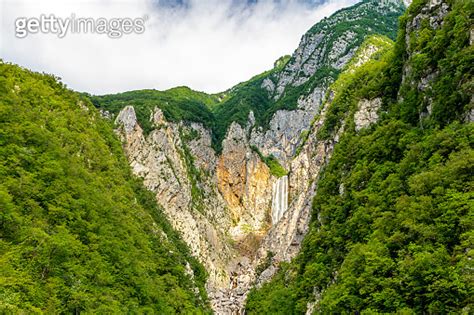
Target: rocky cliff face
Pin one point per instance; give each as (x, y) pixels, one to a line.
(328, 45)
(171, 159)
(220, 205)
(284, 239)
(283, 135)
(232, 212)
(322, 53)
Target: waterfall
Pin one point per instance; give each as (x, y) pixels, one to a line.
(280, 199)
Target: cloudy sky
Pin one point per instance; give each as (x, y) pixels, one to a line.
(208, 45)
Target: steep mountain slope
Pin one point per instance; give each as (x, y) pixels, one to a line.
(392, 220)
(239, 186)
(78, 233)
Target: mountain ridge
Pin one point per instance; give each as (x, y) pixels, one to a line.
(225, 111)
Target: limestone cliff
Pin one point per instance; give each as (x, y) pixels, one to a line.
(323, 53)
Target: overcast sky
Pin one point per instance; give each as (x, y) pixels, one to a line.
(208, 45)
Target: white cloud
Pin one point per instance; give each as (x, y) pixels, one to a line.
(210, 46)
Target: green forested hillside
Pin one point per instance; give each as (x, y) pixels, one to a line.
(78, 234)
(393, 219)
(180, 103)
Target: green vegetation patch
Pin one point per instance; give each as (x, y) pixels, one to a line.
(276, 169)
(177, 104)
(78, 233)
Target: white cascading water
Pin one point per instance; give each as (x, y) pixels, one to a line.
(280, 199)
